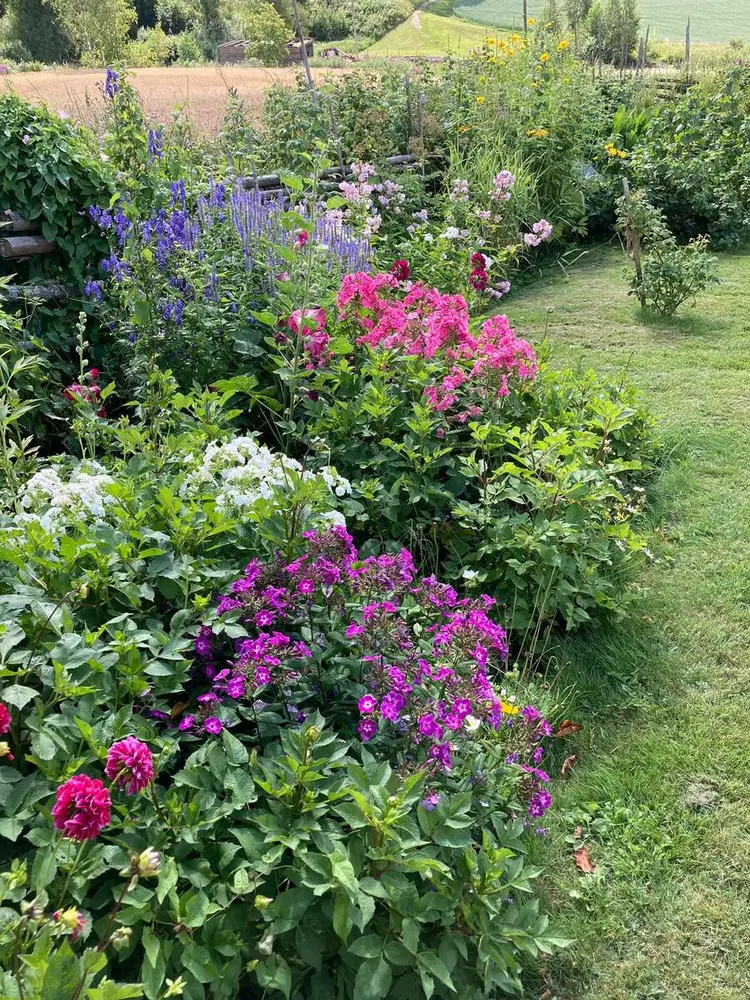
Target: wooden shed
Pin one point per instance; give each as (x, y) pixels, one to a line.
(232, 52)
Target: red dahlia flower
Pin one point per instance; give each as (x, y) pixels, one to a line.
(81, 808)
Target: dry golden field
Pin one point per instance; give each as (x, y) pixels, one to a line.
(202, 90)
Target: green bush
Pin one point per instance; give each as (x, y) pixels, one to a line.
(694, 162)
(152, 47)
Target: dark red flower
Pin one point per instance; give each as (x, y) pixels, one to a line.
(401, 270)
(4, 719)
(478, 261)
(478, 279)
(93, 373)
(301, 238)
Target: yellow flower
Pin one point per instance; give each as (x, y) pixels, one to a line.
(483, 79)
(544, 57)
(564, 44)
(538, 133)
(530, 21)
(511, 52)
(548, 24)
(515, 37)
(508, 709)
(492, 59)
(479, 99)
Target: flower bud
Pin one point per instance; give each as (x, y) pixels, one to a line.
(313, 734)
(262, 902)
(121, 938)
(143, 865)
(472, 723)
(83, 590)
(5, 751)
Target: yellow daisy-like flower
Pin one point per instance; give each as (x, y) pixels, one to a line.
(544, 57)
(508, 709)
(564, 44)
(530, 21)
(479, 99)
(515, 37)
(538, 133)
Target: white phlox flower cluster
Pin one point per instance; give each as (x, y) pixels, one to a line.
(53, 502)
(244, 472)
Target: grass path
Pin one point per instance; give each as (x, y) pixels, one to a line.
(662, 782)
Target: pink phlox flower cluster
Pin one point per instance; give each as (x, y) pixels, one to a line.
(424, 322)
(502, 185)
(459, 190)
(540, 232)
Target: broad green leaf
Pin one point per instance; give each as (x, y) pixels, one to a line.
(373, 980)
(196, 910)
(429, 960)
(62, 974)
(167, 878)
(18, 695)
(369, 946)
(236, 753)
(273, 974)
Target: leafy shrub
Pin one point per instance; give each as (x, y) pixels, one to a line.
(50, 173)
(694, 161)
(283, 853)
(667, 274)
(187, 50)
(152, 47)
(456, 449)
(673, 273)
(266, 32)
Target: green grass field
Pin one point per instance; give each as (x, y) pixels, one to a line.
(661, 781)
(436, 35)
(711, 20)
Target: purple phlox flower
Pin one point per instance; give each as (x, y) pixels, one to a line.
(187, 722)
(306, 586)
(391, 705)
(207, 698)
(367, 704)
(441, 752)
(539, 803)
(429, 726)
(213, 725)
(429, 802)
(367, 729)
(354, 630)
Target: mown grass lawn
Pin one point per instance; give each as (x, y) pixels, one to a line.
(663, 769)
(436, 35)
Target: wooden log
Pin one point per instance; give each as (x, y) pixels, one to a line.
(13, 247)
(45, 293)
(12, 222)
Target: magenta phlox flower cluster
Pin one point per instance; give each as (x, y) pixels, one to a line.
(540, 232)
(424, 322)
(413, 661)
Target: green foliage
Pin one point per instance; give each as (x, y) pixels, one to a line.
(39, 30)
(707, 128)
(674, 273)
(152, 47)
(265, 30)
(50, 173)
(622, 20)
(98, 28)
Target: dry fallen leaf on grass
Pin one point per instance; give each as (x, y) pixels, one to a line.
(583, 861)
(567, 764)
(568, 728)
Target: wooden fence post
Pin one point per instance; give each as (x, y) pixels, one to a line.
(525, 17)
(687, 51)
(303, 52)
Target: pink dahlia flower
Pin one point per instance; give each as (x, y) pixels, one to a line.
(130, 764)
(4, 719)
(81, 808)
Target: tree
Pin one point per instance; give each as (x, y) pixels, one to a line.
(98, 28)
(622, 22)
(264, 29)
(576, 12)
(38, 30)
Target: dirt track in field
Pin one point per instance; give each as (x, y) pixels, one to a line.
(201, 89)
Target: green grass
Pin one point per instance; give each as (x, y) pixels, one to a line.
(664, 698)
(711, 20)
(436, 36)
